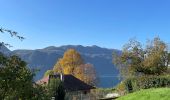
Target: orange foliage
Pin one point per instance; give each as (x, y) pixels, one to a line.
(72, 63)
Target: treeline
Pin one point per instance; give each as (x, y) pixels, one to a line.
(16, 79)
(143, 67)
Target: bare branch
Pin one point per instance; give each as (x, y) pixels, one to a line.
(12, 33)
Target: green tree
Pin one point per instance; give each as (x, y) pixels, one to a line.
(40, 93)
(60, 92)
(136, 60)
(129, 61)
(15, 77)
(16, 80)
(56, 89)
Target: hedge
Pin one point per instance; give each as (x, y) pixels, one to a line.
(145, 82)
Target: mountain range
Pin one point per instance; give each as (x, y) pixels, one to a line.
(44, 59)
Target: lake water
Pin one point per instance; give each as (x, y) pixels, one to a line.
(108, 81)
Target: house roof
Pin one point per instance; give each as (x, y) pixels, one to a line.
(70, 82)
(44, 80)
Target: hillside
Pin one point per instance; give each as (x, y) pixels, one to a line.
(149, 94)
(44, 59)
(4, 49)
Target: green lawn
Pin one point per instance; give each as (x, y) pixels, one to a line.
(149, 94)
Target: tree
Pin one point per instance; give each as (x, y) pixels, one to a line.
(72, 63)
(15, 77)
(12, 33)
(56, 89)
(69, 62)
(129, 62)
(86, 73)
(16, 80)
(40, 93)
(156, 60)
(136, 61)
(60, 92)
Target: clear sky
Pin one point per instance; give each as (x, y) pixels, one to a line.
(106, 23)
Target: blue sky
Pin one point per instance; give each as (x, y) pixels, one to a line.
(106, 23)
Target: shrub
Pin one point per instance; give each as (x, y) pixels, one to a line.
(121, 88)
(145, 82)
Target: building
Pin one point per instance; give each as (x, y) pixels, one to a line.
(71, 83)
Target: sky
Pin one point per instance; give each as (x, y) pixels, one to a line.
(105, 23)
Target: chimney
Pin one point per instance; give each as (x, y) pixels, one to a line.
(61, 77)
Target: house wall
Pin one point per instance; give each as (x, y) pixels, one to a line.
(80, 95)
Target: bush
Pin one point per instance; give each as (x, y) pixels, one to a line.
(145, 82)
(121, 88)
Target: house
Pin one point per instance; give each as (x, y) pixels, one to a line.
(71, 83)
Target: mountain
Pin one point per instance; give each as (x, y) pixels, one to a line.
(4, 49)
(44, 59)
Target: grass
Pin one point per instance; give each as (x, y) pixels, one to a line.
(148, 94)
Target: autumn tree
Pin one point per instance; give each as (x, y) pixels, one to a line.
(136, 60)
(69, 62)
(72, 63)
(156, 60)
(86, 73)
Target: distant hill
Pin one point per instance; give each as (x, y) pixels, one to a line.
(44, 59)
(4, 49)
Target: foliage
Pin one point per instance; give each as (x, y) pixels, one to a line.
(148, 94)
(136, 60)
(121, 88)
(60, 92)
(72, 63)
(16, 80)
(86, 73)
(56, 89)
(12, 33)
(69, 62)
(143, 67)
(156, 61)
(15, 77)
(146, 82)
(48, 72)
(40, 93)
(52, 86)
